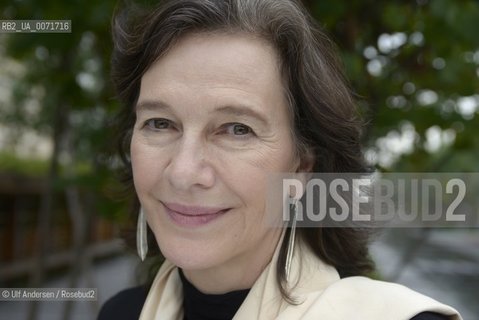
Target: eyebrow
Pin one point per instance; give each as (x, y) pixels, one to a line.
(242, 110)
(236, 110)
(152, 105)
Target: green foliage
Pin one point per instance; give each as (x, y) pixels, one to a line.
(32, 167)
(65, 80)
(439, 60)
(420, 82)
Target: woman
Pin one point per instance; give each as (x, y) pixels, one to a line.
(218, 95)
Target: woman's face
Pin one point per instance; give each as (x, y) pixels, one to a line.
(212, 123)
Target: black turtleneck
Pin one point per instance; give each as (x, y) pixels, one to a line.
(200, 306)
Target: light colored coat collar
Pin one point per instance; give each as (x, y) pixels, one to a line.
(320, 292)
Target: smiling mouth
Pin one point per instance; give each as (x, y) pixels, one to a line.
(193, 216)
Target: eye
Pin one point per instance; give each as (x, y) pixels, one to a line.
(158, 124)
(238, 129)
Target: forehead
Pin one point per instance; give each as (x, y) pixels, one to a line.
(217, 58)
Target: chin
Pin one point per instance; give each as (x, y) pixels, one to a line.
(189, 255)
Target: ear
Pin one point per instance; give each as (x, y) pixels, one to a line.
(304, 168)
(306, 161)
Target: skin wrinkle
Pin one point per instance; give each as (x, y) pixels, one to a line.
(266, 140)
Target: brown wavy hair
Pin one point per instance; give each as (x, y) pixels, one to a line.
(324, 114)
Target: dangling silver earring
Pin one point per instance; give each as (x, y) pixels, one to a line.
(292, 236)
(141, 240)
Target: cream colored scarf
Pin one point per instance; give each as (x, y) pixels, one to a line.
(320, 292)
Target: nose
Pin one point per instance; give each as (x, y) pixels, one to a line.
(189, 167)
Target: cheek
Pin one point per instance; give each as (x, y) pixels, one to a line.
(145, 166)
(249, 175)
(273, 154)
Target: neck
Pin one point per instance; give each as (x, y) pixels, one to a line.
(238, 273)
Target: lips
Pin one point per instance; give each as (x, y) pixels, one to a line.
(193, 216)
